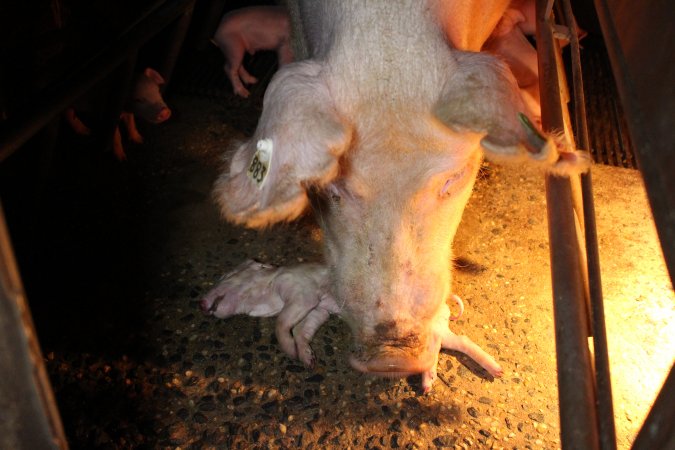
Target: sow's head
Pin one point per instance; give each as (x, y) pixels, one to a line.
(388, 188)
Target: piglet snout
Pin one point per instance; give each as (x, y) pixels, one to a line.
(163, 115)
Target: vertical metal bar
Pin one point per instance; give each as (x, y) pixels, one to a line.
(601, 353)
(576, 390)
(177, 32)
(30, 417)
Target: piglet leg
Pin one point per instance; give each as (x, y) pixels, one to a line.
(304, 331)
(444, 338)
(301, 288)
(451, 341)
(76, 124)
(129, 122)
(298, 295)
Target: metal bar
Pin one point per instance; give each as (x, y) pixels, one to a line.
(603, 383)
(58, 98)
(30, 417)
(178, 30)
(576, 390)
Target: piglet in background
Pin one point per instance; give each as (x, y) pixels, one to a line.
(248, 30)
(145, 101)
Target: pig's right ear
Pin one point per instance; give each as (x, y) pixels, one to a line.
(298, 142)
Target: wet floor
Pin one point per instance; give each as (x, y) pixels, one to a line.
(130, 248)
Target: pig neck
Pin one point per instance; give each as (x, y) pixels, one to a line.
(386, 54)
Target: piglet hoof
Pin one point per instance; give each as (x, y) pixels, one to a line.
(496, 371)
(306, 356)
(136, 138)
(241, 92)
(428, 379)
(460, 304)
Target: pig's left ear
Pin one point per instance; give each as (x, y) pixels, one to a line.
(297, 143)
(153, 75)
(482, 96)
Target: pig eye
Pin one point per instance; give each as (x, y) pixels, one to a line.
(446, 188)
(454, 183)
(335, 198)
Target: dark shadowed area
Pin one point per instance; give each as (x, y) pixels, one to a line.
(116, 256)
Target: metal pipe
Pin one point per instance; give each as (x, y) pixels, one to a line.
(576, 390)
(178, 30)
(20, 128)
(601, 352)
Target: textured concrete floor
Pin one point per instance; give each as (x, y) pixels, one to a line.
(153, 372)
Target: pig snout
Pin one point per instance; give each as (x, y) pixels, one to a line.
(394, 360)
(163, 115)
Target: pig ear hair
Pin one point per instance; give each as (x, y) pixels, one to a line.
(482, 96)
(298, 142)
(153, 75)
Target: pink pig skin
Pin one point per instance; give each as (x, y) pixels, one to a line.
(248, 30)
(381, 130)
(145, 101)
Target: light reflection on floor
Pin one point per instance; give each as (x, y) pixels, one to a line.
(639, 299)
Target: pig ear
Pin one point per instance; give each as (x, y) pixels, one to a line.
(482, 96)
(297, 143)
(153, 75)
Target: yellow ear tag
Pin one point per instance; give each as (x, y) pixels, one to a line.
(260, 164)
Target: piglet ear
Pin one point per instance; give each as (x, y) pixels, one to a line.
(153, 75)
(297, 143)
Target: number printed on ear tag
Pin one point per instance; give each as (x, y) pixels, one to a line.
(261, 161)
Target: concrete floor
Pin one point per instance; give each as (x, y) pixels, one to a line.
(168, 377)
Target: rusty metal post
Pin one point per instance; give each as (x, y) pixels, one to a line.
(576, 390)
(603, 383)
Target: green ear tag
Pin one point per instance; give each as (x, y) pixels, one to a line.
(260, 164)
